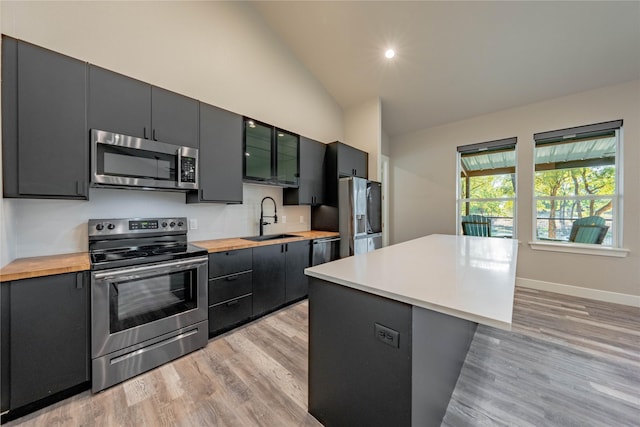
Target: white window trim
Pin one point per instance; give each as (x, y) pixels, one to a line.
(616, 249)
(460, 201)
(579, 248)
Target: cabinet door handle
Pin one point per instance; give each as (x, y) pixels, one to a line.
(231, 278)
(286, 247)
(154, 135)
(80, 188)
(79, 281)
(232, 303)
(144, 132)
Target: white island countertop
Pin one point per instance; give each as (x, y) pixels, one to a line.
(472, 278)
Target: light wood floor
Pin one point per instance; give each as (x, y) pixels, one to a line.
(567, 362)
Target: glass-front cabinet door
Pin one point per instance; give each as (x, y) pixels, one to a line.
(287, 149)
(271, 155)
(258, 158)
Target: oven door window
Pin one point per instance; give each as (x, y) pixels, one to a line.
(143, 300)
(128, 162)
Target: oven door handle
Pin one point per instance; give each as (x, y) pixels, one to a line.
(156, 268)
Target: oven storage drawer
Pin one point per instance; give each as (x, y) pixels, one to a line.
(228, 314)
(229, 262)
(229, 287)
(123, 364)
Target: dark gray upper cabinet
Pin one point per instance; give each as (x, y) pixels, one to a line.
(220, 156)
(351, 161)
(310, 189)
(271, 155)
(174, 118)
(48, 337)
(342, 160)
(298, 257)
(120, 104)
(45, 142)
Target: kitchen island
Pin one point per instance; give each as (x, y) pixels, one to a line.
(389, 330)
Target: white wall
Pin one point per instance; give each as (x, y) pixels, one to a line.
(424, 182)
(363, 130)
(65, 229)
(218, 52)
(221, 53)
(385, 147)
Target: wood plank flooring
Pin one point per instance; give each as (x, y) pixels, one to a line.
(567, 362)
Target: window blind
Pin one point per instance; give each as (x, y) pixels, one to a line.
(577, 132)
(499, 144)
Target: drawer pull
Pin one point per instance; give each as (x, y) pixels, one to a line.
(232, 303)
(231, 278)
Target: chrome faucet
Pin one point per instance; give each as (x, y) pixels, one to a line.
(263, 216)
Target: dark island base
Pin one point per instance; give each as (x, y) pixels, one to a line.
(374, 361)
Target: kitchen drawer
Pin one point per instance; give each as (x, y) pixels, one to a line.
(229, 262)
(229, 287)
(226, 315)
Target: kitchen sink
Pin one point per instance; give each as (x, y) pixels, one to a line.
(269, 237)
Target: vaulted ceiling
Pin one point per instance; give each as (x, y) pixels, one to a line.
(457, 60)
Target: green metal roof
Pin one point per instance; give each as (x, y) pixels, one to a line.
(571, 151)
(489, 160)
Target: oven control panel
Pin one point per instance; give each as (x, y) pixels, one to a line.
(114, 227)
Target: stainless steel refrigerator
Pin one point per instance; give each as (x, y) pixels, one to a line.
(360, 215)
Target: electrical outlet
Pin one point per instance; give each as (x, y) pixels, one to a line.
(284, 219)
(387, 335)
(193, 224)
(301, 219)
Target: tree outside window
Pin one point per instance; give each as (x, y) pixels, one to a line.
(576, 177)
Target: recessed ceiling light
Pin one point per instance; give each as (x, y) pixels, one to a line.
(390, 53)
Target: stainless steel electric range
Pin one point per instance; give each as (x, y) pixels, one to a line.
(148, 296)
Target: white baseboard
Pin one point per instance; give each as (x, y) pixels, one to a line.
(576, 291)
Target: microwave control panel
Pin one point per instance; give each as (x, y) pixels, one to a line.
(188, 169)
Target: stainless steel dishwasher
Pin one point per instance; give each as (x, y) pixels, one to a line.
(325, 250)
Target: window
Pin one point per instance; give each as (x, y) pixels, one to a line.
(577, 178)
(487, 187)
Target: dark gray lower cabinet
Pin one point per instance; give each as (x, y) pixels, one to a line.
(45, 338)
(230, 290)
(279, 275)
(355, 379)
(298, 257)
(268, 278)
(248, 283)
(374, 361)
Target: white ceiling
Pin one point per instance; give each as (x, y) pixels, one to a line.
(458, 59)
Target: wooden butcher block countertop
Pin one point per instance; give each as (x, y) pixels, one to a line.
(221, 245)
(25, 268)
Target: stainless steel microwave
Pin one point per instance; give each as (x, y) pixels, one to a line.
(128, 162)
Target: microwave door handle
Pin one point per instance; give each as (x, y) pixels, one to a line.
(179, 167)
